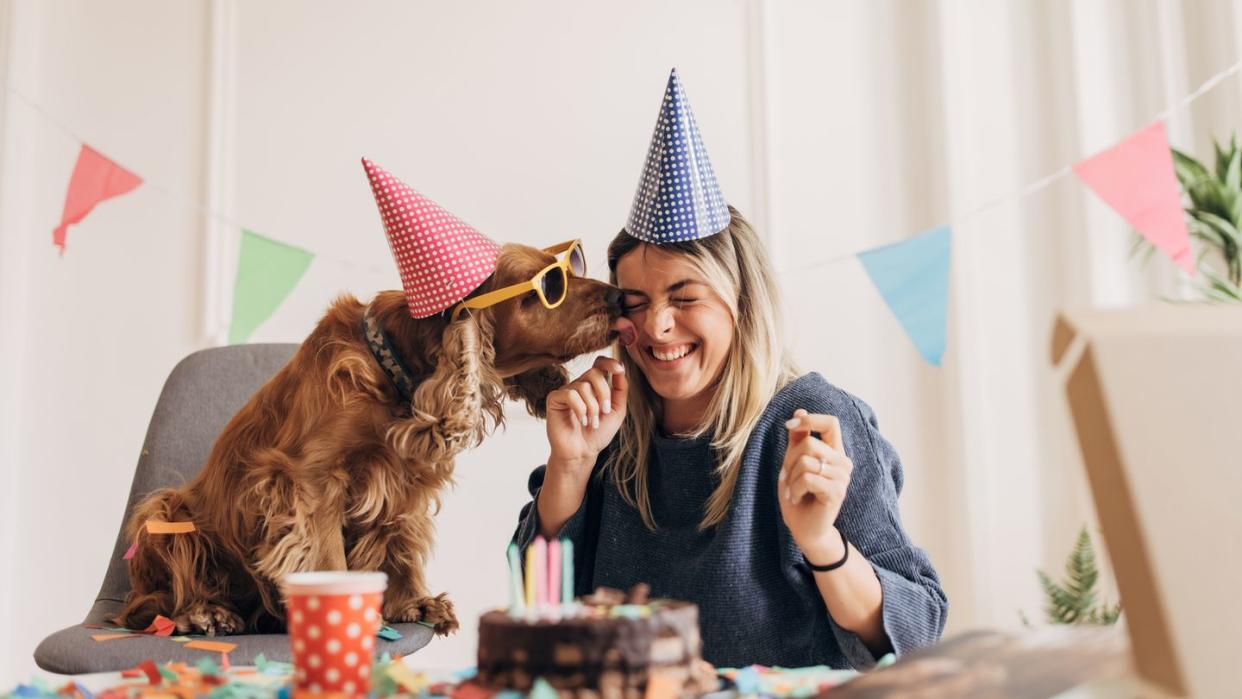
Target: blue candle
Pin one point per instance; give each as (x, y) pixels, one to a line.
(567, 571)
(516, 607)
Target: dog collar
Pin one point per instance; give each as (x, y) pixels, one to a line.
(387, 356)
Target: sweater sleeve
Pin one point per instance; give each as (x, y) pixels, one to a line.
(528, 519)
(913, 607)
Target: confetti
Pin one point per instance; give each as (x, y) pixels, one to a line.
(168, 674)
(161, 626)
(470, 690)
(660, 686)
(412, 681)
(207, 666)
(542, 690)
(150, 670)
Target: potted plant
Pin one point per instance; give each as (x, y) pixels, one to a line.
(1073, 600)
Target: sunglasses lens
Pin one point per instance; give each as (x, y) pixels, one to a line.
(554, 285)
(577, 263)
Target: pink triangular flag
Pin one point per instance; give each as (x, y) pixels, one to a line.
(1136, 178)
(95, 178)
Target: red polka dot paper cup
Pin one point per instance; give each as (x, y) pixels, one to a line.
(333, 618)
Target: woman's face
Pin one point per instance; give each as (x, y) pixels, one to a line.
(684, 329)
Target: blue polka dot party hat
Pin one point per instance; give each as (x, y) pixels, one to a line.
(678, 198)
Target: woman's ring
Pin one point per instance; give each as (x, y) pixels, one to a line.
(822, 463)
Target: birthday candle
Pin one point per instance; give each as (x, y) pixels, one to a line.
(567, 572)
(530, 579)
(552, 595)
(540, 572)
(516, 607)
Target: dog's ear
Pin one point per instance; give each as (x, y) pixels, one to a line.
(534, 386)
(450, 407)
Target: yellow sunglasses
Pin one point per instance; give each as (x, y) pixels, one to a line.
(550, 283)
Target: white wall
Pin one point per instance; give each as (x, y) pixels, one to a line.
(837, 126)
(89, 337)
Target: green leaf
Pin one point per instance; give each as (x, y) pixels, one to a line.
(1233, 173)
(1189, 171)
(1219, 288)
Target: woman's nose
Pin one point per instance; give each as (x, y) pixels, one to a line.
(659, 321)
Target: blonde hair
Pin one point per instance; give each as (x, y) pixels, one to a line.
(735, 264)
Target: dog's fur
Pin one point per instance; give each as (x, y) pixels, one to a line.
(325, 468)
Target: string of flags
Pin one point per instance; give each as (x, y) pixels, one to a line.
(1135, 177)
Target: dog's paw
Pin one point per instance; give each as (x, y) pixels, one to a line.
(209, 619)
(436, 612)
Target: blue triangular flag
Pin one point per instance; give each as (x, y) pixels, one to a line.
(913, 278)
(678, 197)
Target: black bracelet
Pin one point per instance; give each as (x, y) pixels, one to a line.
(832, 566)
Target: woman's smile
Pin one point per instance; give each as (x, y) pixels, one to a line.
(669, 356)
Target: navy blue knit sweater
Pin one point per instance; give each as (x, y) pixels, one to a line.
(758, 602)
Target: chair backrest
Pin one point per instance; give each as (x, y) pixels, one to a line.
(201, 395)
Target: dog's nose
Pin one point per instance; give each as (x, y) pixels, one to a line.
(613, 296)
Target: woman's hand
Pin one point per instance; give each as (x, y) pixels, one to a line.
(583, 417)
(812, 485)
(585, 414)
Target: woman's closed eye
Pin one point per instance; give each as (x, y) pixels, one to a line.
(629, 303)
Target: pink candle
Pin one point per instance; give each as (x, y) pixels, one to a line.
(540, 572)
(554, 574)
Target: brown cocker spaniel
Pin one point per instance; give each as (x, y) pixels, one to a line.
(327, 467)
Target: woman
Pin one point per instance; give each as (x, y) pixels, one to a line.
(700, 463)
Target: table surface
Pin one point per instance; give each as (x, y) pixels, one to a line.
(1056, 661)
(1068, 662)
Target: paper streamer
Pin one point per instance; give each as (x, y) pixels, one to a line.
(1136, 178)
(154, 527)
(214, 646)
(95, 179)
(112, 636)
(267, 270)
(913, 278)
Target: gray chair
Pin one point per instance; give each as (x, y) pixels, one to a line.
(199, 397)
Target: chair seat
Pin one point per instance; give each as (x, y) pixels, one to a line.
(72, 651)
(200, 396)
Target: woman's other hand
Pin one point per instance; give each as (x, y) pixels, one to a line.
(814, 479)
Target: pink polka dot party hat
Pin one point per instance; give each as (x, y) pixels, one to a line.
(441, 258)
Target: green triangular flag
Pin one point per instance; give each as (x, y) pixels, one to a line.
(266, 272)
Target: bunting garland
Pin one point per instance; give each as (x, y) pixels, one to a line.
(1135, 177)
(913, 278)
(95, 178)
(267, 270)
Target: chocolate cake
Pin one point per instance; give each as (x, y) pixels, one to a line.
(608, 645)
